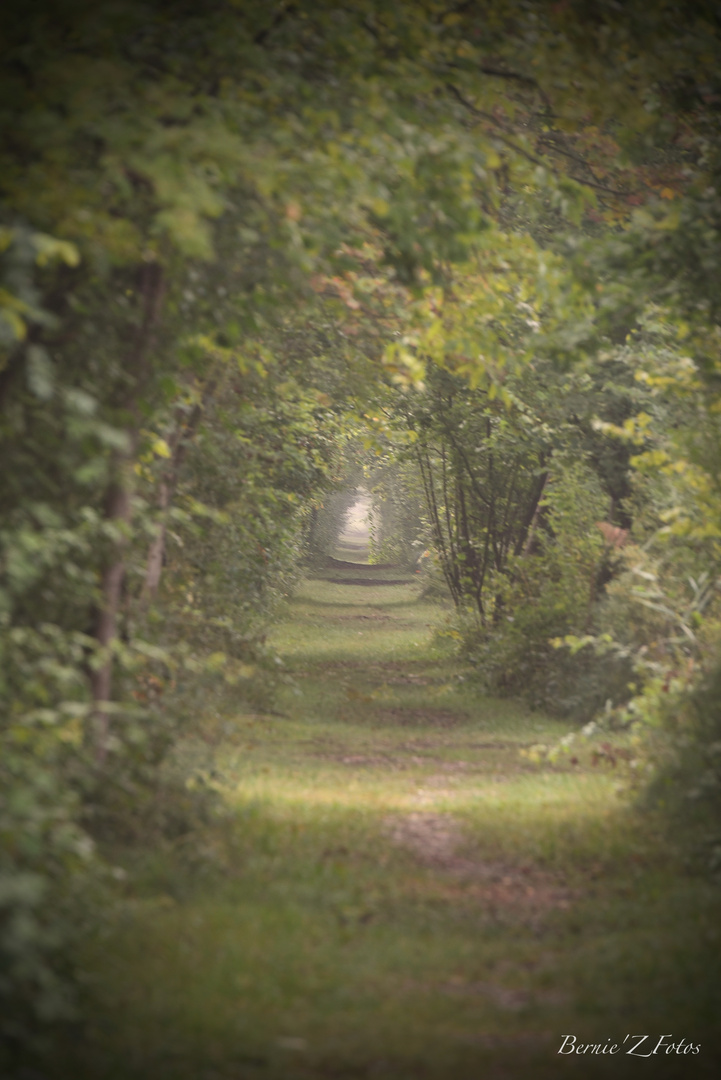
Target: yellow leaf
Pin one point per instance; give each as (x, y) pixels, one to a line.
(161, 448)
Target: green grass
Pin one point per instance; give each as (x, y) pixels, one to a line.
(394, 890)
(353, 550)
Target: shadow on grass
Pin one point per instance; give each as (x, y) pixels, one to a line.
(393, 890)
(338, 922)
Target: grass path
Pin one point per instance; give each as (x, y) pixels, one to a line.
(396, 891)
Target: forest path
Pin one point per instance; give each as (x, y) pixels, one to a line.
(396, 890)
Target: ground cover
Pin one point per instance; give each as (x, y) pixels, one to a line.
(394, 889)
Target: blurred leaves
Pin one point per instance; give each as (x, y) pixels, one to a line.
(235, 240)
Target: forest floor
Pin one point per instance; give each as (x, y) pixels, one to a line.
(395, 890)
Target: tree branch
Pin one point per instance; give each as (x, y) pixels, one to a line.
(503, 132)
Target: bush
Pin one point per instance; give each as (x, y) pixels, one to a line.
(551, 591)
(684, 746)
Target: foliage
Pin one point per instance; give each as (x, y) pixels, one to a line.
(232, 236)
(399, 531)
(550, 591)
(661, 616)
(686, 754)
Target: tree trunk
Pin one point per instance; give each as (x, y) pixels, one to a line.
(534, 520)
(119, 511)
(432, 505)
(156, 551)
(184, 431)
(525, 540)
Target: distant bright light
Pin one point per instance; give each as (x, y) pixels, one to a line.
(356, 522)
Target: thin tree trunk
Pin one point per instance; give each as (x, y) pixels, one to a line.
(184, 432)
(437, 526)
(525, 538)
(452, 540)
(156, 550)
(478, 491)
(534, 519)
(119, 512)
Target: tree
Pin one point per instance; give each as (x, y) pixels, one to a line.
(216, 219)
